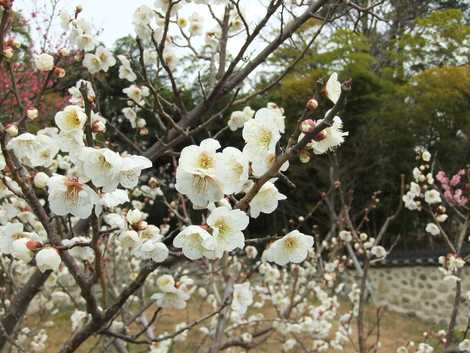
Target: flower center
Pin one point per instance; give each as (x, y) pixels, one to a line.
(104, 164)
(222, 226)
(72, 118)
(205, 161)
(73, 189)
(265, 137)
(237, 169)
(290, 243)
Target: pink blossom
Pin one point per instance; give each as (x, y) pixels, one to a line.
(442, 177)
(455, 180)
(448, 196)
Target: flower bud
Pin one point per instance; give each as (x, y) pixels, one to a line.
(44, 62)
(129, 238)
(141, 225)
(166, 283)
(141, 123)
(40, 180)
(64, 52)
(21, 249)
(251, 252)
(307, 126)
(312, 104)
(8, 52)
(11, 130)
(98, 126)
(33, 244)
(32, 113)
(304, 156)
(48, 259)
(59, 72)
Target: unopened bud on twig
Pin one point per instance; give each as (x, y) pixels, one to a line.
(59, 72)
(32, 114)
(312, 104)
(304, 156)
(33, 245)
(11, 130)
(307, 126)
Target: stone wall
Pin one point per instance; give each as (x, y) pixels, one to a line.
(419, 290)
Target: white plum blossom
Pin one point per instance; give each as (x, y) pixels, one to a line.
(425, 348)
(34, 150)
(136, 93)
(3, 163)
(293, 247)
(263, 162)
(129, 239)
(432, 229)
(240, 117)
(76, 97)
(71, 118)
(345, 236)
(21, 250)
(426, 156)
(165, 282)
(166, 5)
(44, 62)
(227, 226)
(432, 197)
(171, 298)
(464, 346)
(101, 166)
(195, 243)
(125, 69)
(84, 253)
(105, 57)
(131, 115)
(242, 297)
(78, 319)
(170, 58)
(111, 200)
(266, 200)
(232, 168)
(333, 88)
(68, 195)
(331, 137)
(135, 216)
(196, 24)
(71, 141)
(48, 259)
(131, 168)
(196, 173)
(152, 249)
(378, 251)
(8, 234)
(40, 180)
(92, 62)
(272, 113)
(260, 135)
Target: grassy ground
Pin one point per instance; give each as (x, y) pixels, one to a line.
(396, 330)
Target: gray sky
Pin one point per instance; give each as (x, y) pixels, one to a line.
(114, 17)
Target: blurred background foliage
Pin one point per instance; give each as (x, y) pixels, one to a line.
(411, 87)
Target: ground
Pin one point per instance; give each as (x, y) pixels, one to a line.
(396, 329)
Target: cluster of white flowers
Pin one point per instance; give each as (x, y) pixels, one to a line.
(171, 294)
(101, 60)
(79, 30)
